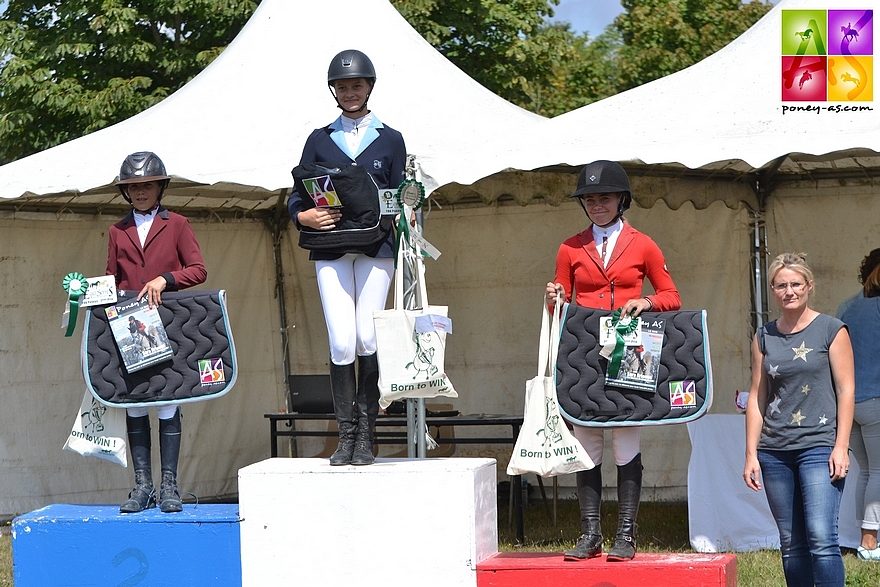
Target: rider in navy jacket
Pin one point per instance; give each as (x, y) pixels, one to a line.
(352, 285)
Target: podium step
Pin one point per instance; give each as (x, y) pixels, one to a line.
(542, 569)
(87, 545)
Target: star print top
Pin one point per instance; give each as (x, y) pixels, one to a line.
(801, 401)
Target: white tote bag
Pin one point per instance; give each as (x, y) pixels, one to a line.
(545, 445)
(98, 431)
(411, 344)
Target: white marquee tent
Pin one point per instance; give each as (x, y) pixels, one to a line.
(710, 141)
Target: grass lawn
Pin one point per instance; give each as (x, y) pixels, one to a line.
(663, 527)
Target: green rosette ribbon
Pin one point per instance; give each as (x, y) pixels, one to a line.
(410, 195)
(75, 285)
(621, 329)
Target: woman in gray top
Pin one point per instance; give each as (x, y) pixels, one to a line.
(798, 423)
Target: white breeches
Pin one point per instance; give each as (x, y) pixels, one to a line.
(164, 412)
(352, 288)
(624, 442)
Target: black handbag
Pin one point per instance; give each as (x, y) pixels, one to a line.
(351, 189)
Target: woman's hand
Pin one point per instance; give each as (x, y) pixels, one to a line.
(838, 464)
(553, 290)
(752, 474)
(636, 307)
(319, 218)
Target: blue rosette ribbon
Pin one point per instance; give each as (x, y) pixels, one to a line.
(75, 285)
(621, 329)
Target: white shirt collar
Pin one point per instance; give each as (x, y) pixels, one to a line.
(609, 232)
(143, 222)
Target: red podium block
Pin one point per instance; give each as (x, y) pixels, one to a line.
(542, 569)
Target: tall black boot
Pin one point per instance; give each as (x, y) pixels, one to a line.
(344, 385)
(629, 491)
(589, 492)
(143, 495)
(368, 409)
(169, 447)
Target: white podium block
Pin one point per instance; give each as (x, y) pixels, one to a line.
(398, 522)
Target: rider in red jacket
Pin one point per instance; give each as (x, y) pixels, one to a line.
(605, 267)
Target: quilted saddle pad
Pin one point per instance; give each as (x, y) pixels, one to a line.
(203, 365)
(683, 376)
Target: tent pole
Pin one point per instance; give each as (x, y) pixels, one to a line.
(760, 260)
(277, 224)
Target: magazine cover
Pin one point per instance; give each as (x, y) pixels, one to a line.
(139, 334)
(640, 366)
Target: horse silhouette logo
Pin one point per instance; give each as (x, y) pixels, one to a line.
(849, 34)
(846, 77)
(804, 35)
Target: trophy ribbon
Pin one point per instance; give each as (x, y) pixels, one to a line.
(622, 327)
(75, 285)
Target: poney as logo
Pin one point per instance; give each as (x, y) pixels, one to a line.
(828, 55)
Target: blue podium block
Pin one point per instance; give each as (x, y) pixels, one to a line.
(85, 546)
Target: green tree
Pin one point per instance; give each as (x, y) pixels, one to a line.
(74, 66)
(590, 73)
(506, 46)
(663, 36)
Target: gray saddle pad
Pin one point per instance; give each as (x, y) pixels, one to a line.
(684, 374)
(203, 366)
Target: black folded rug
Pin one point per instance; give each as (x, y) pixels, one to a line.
(203, 365)
(683, 376)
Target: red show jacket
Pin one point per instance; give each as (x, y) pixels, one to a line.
(634, 257)
(170, 249)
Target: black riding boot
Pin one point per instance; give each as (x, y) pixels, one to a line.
(589, 491)
(629, 490)
(143, 495)
(368, 409)
(169, 447)
(344, 386)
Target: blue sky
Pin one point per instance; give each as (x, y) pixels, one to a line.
(591, 16)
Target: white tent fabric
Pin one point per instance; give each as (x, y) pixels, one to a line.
(705, 135)
(239, 126)
(722, 118)
(726, 107)
(723, 514)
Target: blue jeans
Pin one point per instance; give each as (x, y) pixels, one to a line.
(805, 504)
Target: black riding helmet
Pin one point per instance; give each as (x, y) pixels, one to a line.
(604, 177)
(140, 167)
(350, 64)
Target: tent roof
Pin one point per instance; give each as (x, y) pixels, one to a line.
(720, 119)
(232, 134)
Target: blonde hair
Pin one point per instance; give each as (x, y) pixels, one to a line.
(793, 261)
